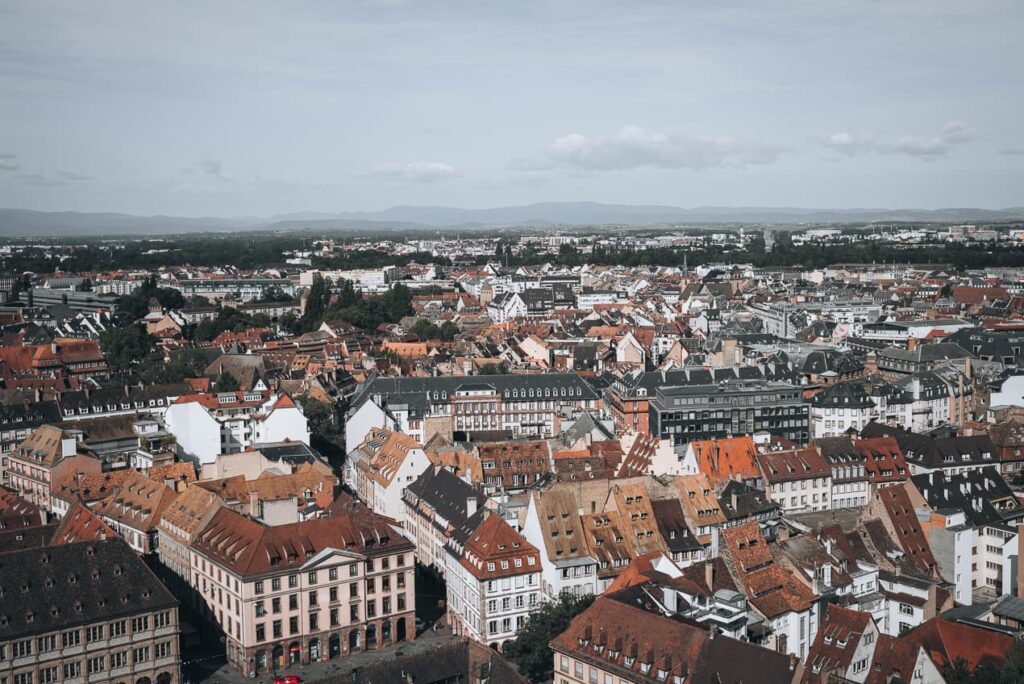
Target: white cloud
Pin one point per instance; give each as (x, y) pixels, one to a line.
(633, 147)
(413, 172)
(954, 133)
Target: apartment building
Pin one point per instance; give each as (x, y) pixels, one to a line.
(493, 580)
(383, 466)
(43, 458)
(686, 413)
(85, 612)
(436, 504)
(208, 425)
(628, 398)
(798, 479)
(304, 592)
(459, 408)
(134, 509)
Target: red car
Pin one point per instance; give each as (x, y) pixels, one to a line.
(287, 679)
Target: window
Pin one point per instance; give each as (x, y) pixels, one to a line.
(275, 605)
(293, 581)
(47, 643)
(564, 664)
(140, 624)
(140, 655)
(96, 665)
(46, 676)
(261, 632)
(314, 621)
(312, 577)
(354, 613)
(259, 586)
(23, 678)
(276, 629)
(69, 639)
(72, 670)
(275, 584)
(119, 659)
(332, 574)
(163, 650)
(118, 629)
(162, 619)
(293, 602)
(21, 648)
(293, 624)
(261, 609)
(906, 609)
(353, 590)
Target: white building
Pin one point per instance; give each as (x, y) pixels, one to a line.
(208, 425)
(493, 580)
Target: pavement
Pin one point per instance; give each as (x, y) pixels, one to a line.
(217, 671)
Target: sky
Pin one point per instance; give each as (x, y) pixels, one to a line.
(252, 108)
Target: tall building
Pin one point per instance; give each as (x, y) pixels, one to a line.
(85, 612)
(307, 591)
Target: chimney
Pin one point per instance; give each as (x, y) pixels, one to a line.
(733, 501)
(470, 506)
(912, 343)
(709, 574)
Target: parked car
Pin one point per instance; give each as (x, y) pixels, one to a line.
(287, 679)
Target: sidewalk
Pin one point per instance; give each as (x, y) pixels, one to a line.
(316, 672)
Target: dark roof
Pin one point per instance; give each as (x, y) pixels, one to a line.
(750, 502)
(414, 391)
(668, 513)
(858, 393)
(446, 493)
(937, 452)
(57, 587)
(982, 494)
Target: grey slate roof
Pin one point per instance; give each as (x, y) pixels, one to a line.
(59, 587)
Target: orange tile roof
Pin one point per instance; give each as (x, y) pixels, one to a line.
(727, 457)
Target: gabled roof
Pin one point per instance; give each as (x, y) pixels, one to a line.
(946, 642)
(903, 518)
(836, 643)
(496, 550)
(81, 524)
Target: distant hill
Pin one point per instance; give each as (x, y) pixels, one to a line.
(26, 223)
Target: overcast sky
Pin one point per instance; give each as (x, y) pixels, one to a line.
(253, 108)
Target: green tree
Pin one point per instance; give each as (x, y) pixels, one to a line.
(125, 346)
(273, 294)
(188, 363)
(326, 434)
(316, 304)
(529, 650)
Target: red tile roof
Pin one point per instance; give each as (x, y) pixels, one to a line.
(496, 550)
(250, 548)
(81, 524)
(946, 642)
(904, 521)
